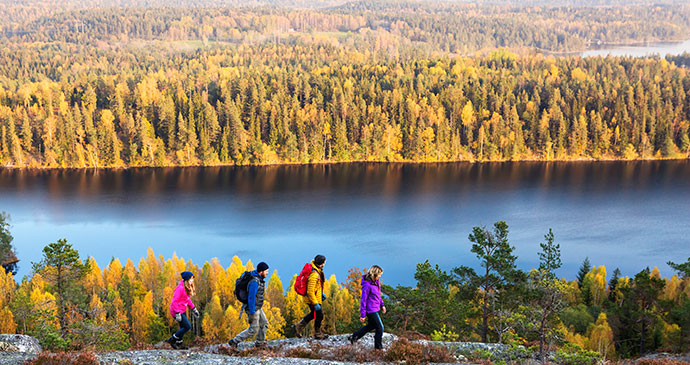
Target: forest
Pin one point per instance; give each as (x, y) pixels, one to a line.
(114, 86)
(71, 303)
(315, 103)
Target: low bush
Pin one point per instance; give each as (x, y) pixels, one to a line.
(355, 354)
(65, 358)
(416, 353)
(571, 354)
(302, 353)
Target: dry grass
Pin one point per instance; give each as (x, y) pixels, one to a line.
(415, 353)
(65, 358)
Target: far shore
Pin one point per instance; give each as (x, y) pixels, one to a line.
(384, 162)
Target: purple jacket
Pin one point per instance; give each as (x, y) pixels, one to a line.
(371, 297)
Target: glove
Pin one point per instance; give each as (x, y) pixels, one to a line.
(178, 317)
(317, 307)
(196, 313)
(323, 297)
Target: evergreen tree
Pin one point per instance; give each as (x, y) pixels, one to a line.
(496, 258)
(8, 257)
(63, 270)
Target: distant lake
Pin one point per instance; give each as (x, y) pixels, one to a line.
(621, 214)
(661, 49)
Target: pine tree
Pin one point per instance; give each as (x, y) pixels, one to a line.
(8, 257)
(63, 271)
(496, 258)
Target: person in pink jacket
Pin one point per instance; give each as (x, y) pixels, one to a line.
(178, 308)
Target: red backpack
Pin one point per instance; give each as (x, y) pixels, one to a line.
(301, 281)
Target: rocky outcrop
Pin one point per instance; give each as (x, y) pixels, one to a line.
(331, 342)
(192, 357)
(498, 350)
(15, 349)
(666, 357)
(19, 343)
(22, 348)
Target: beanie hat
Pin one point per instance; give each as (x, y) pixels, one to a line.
(319, 259)
(186, 275)
(261, 267)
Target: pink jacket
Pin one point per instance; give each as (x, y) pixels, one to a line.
(180, 300)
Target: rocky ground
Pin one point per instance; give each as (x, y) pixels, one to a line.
(16, 349)
(19, 348)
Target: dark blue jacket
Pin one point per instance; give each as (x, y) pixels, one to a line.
(255, 293)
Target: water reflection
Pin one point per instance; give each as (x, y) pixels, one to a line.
(660, 49)
(618, 213)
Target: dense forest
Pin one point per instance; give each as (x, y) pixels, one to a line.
(311, 103)
(366, 81)
(598, 315)
(391, 27)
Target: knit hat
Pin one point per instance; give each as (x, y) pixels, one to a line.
(261, 267)
(319, 259)
(186, 275)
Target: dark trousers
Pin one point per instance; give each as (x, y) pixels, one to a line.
(184, 327)
(373, 323)
(316, 315)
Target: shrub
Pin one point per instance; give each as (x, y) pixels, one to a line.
(49, 337)
(444, 334)
(65, 358)
(482, 354)
(571, 354)
(416, 353)
(355, 354)
(302, 353)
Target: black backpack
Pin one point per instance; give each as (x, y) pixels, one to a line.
(241, 286)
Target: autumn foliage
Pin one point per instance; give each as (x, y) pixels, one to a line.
(129, 304)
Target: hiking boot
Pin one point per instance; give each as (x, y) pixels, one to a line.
(180, 346)
(352, 339)
(173, 342)
(320, 335)
(299, 327)
(232, 344)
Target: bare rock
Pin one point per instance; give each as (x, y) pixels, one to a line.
(19, 343)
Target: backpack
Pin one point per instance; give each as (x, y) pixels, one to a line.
(241, 283)
(301, 281)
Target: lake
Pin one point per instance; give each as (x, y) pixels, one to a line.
(621, 214)
(661, 48)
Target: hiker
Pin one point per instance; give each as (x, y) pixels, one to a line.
(314, 297)
(178, 308)
(258, 324)
(369, 307)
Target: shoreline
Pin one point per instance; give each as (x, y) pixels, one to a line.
(328, 163)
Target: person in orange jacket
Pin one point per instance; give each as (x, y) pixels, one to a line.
(314, 298)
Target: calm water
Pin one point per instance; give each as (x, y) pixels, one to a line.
(661, 49)
(620, 214)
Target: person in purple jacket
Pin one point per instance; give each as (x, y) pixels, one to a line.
(370, 306)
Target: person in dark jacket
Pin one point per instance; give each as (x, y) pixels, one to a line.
(370, 306)
(258, 324)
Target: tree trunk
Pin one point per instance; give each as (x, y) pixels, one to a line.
(485, 313)
(61, 302)
(542, 338)
(642, 338)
